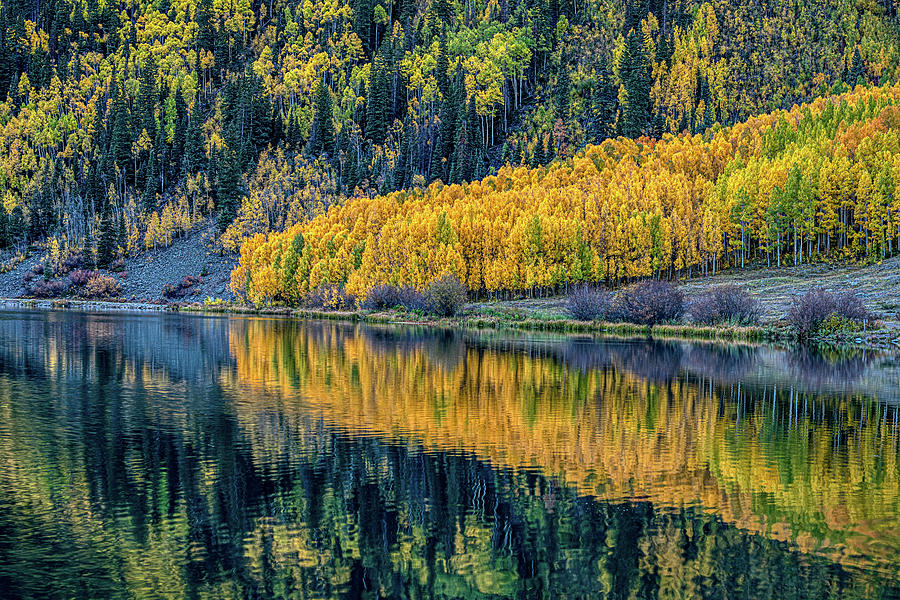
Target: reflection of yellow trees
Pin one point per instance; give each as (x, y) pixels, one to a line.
(821, 473)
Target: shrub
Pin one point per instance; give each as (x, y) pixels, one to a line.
(810, 311)
(28, 276)
(117, 265)
(99, 287)
(385, 296)
(181, 289)
(330, 296)
(726, 304)
(445, 296)
(72, 262)
(38, 269)
(585, 303)
(80, 277)
(48, 289)
(648, 302)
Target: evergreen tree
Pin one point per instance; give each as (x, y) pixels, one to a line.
(106, 241)
(121, 139)
(443, 10)
(4, 227)
(634, 72)
(377, 103)
(442, 66)
(321, 139)
(206, 34)
(194, 153)
(562, 92)
(856, 74)
(228, 193)
(148, 96)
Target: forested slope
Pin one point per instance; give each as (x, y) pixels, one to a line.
(818, 182)
(123, 124)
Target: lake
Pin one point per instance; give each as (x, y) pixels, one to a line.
(173, 456)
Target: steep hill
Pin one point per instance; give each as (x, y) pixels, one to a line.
(125, 124)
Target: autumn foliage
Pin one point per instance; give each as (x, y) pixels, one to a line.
(818, 182)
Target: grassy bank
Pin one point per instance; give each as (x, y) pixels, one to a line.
(514, 315)
(498, 319)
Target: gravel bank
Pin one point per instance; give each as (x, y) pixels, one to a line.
(145, 276)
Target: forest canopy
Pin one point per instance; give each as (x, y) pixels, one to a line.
(818, 182)
(125, 124)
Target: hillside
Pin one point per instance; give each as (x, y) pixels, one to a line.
(817, 184)
(123, 126)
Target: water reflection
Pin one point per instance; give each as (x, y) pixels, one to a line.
(194, 457)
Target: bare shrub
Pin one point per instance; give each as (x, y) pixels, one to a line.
(726, 304)
(72, 262)
(445, 296)
(812, 309)
(117, 265)
(585, 303)
(100, 287)
(48, 289)
(384, 296)
(648, 302)
(330, 296)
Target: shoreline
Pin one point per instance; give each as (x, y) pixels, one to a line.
(771, 333)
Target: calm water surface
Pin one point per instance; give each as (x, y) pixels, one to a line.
(166, 456)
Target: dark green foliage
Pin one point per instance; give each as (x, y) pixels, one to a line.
(321, 139)
(228, 193)
(107, 242)
(635, 75)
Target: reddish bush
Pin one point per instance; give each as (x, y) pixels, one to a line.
(585, 303)
(72, 262)
(180, 290)
(648, 302)
(48, 289)
(726, 304)
(80, 277)
(117, 265)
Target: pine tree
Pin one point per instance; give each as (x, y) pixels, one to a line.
(563, 91)
(206, 34)
(148, 96)
(121, 139)
(194, 153)
(321, 139)
(443, 10)
(634, 72)
(229, 189)
(856, 74)
(4, 227)
(442, 66)
(377, 103)
(106, 240)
